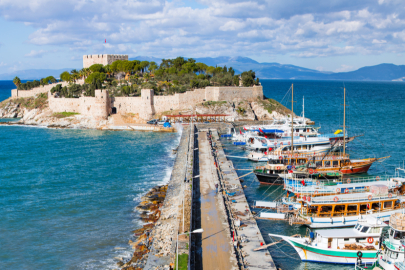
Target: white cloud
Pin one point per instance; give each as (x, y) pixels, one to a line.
(345, 68)
(309, 28)
(2, 64)
(36, 54)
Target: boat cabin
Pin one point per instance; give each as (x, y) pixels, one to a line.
(353, 204)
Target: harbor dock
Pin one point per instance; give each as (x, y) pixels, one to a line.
(205, 193)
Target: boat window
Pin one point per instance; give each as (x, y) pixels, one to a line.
(388, 204)
(326, 163)
(335, 163)
(375, 230)
(319, 164)
(360, 239)
(394, 255)
(399, 235)
(355, 227)
(359, 228)
(364, 229)
(346, 239)
(391, 232)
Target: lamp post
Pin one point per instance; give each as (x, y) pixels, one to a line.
(177, 246)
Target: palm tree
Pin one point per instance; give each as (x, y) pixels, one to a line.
(75, 75)
(17, 81)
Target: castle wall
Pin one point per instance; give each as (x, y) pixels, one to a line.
(97, 107)
(236, 93)
(15, 93)
(128, 104)
(104, 59)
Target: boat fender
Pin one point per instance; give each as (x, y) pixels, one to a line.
(359, 254)
(331, 220)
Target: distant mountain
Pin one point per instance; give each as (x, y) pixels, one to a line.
(382, 72)
(33, 74)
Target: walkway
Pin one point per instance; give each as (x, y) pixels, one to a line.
(217, 248)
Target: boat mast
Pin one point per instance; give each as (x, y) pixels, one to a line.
(303, 109)
(292, 120)
(344, 121)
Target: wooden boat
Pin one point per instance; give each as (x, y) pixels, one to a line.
(341, 246)
(344, 210)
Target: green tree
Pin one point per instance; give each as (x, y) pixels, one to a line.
(96, 68)
(17, 81)
(65, 76)
(236, 80)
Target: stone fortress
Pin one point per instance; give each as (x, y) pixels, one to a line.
(145, 106)
(104, 59)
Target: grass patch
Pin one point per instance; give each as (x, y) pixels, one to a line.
(30, 103)
(64, 114)
(273, 105)
(183, 262)
(210, 103)
(241, 111)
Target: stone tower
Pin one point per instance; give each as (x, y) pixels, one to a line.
(147, 105)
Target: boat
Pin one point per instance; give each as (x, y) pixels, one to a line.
(340, 246)
(391, 255)
(344, 210)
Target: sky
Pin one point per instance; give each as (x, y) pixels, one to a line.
(328, 35)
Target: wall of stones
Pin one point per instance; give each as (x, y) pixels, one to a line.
(235, 93)
(34, 91)
(127, 104)
(97, 107)
(104, 59)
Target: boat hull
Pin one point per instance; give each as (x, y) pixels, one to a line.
(269, 179)
(312, 253)
(348, 221)
(356, 169)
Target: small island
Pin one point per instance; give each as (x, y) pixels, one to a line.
(111, 90)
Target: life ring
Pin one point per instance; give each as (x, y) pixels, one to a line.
(333, 157)
(293, 167)
(304, 198)
(316, 192)
(370, 197)
(377, 178)
(281, 143)
(308, 199)
(289, 155)
(346, 190)
(296, 155)
(359, 254)
(337, 190)
(336, 199)
(289, 143)
(389, 195)
(310, 171)
(278, 168)
(370, 240)
(315, 171)
(318, 183)
(285, 185)
(293, 189)
(349, 181)
(280, 157)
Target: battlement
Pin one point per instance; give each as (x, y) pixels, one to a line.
(104, 59)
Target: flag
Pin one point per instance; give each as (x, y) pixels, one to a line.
(105, 41)
(244, 128)
(240, 131)
(261, 131)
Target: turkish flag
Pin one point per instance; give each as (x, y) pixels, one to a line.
(240, 131)
(261, 130)
(105, 41)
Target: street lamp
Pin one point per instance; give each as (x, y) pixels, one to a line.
(177, 247)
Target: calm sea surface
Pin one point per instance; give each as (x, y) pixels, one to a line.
(67, 196)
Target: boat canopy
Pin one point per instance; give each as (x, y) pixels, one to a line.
(346, 233)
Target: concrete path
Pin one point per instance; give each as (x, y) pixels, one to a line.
(217, 248)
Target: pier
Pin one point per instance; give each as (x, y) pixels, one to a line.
(230, 238)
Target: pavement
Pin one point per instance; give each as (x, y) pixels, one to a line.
(217, 247)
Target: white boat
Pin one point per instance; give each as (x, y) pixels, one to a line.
(344, 210)
(342, 246)
(391, 256)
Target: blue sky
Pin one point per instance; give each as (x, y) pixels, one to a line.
(326, 35)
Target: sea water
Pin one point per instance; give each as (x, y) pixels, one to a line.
(376, 110)
(67, 196)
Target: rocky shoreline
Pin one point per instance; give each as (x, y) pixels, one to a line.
(150, 210)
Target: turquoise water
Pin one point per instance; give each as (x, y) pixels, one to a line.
(376, 109)
(67, 196)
